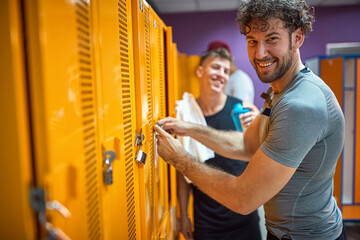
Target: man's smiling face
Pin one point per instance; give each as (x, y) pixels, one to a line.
(270, 51)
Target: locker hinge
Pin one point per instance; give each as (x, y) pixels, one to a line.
(37, 199)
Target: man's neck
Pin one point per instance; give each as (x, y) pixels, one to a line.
(211, 104)
(281, 83)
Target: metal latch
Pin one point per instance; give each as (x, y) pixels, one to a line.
(141, 156)
(109, 157)
(38, 203)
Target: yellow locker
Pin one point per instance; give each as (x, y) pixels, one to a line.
(357, 133)
(342, 75)
(170, 73)
(64, 122)
(116, 91)
(157, 79)
(144, 116)
(193, 81)
(331, 71)
(16, 176)
(352, 211)
(171, 93)
(183, 75)
(176, 92)
(100, 74)
(158, 66)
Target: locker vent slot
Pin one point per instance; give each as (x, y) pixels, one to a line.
(162, 72)
(88, 117)
(127, 120)
(150, 156)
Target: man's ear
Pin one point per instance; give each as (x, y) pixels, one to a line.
(298, 38)
(199, 71)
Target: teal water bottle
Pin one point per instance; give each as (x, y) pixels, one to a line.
(238, 109)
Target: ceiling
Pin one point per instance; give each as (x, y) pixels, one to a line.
(183, 6)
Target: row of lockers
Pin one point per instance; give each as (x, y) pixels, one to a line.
(83, 83)
(342, 74)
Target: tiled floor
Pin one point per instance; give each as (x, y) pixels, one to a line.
(352, 230)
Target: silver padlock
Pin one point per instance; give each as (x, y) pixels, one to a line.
(141, 156)
(108, 172)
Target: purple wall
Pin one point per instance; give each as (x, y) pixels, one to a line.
(193, 31)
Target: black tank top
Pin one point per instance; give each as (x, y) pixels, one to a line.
(211, 219)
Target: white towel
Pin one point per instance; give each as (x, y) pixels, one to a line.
(188, 110)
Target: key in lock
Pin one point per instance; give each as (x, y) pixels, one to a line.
(108, 172)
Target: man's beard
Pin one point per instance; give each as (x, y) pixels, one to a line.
(280, 71)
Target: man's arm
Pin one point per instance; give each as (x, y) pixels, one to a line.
(183, 192)
(262, 179)
(229, 144)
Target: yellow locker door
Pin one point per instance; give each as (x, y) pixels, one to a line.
(158, 64)
(171, 93)
(193, 63)
(170, 73)
(17, 221)
(115, 74)
(155, 65)
(176, 64)
(183, 75)
(357, 135)
(350, 164)
(331, 71)
(144, 116)
(63, 108)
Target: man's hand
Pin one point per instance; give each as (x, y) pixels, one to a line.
(185, 227)
(247, 118)
(175, 126)
(171, 150)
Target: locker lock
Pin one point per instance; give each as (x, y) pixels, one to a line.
(109, 157)
(141, 156)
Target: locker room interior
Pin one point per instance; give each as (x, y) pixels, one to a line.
(83, 83)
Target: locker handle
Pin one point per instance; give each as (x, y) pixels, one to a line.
(109, 157)
(56, 205)
(37, 200)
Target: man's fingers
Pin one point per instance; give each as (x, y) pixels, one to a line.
(166, 120)
(250, 106)
(161, 131)
(245, 115)
(168, 127)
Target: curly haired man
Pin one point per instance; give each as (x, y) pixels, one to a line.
(292, 146)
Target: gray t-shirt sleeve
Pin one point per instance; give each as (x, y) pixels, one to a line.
(295, 127)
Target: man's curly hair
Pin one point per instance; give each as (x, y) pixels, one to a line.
(294, 13)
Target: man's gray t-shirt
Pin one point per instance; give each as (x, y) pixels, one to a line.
(304, 130)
